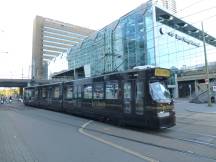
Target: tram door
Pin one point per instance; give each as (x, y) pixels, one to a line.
(49, 100)
(139, 97)
(127, 101)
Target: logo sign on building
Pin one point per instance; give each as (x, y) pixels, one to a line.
(178, 37)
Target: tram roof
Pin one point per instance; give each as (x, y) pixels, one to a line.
(113, 73)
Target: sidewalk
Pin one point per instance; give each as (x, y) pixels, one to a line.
(199, 108)
(12, 146)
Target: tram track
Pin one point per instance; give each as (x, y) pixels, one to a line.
(194, 122)
(149, 132)
(194, 141)
(196, 134)
(157, 145)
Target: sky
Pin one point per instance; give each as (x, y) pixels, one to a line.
(16, 23)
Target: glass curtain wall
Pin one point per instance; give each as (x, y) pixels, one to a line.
(119, 46)
(173, 52)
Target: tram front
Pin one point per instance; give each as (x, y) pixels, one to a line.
(161, 101)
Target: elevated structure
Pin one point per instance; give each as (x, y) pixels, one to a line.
(50, 39)
(14, 82)
(22, 82)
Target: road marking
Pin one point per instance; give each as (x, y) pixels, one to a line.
(207, 135)
(200, 142)
(81, 130)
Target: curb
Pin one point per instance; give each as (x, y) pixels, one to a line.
(200, 111)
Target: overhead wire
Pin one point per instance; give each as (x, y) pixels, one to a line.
(201, 11)
(190, 5)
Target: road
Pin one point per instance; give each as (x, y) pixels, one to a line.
(31, 134)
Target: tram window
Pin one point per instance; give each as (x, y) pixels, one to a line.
(127, 90)
(79, 92)
(98, 91)
(56, 92)
(127, 97)
(87, 91)
(44, 93)
(32, 93)
(69, 92)
(139, 97)
(75, 92)
(112, 89)
(29, 93)
(36, 93)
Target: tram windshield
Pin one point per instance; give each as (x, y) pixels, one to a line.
(159, 93)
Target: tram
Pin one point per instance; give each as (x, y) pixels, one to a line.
(137, 97)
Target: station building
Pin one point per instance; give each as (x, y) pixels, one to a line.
(148, 35)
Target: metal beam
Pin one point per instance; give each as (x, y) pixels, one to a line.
(53, 48)
(63, 32)
(62, 40)
(51, 53)
(57, 44)
(47, 60)
(48, 57)
(59, 36)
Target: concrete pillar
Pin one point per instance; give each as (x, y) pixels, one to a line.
(45, 70)
(37, 52)
(21, 92)
(176, 92)
(196, 87)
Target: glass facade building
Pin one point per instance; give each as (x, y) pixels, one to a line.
(119, 46)
(148, 35)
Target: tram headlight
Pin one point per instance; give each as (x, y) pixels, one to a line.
(163, 114)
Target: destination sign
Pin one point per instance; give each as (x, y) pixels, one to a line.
(162, 72)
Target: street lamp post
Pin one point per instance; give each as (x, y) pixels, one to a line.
(206, 67)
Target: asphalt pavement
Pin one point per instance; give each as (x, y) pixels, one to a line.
(35, 135)
(29, 134)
